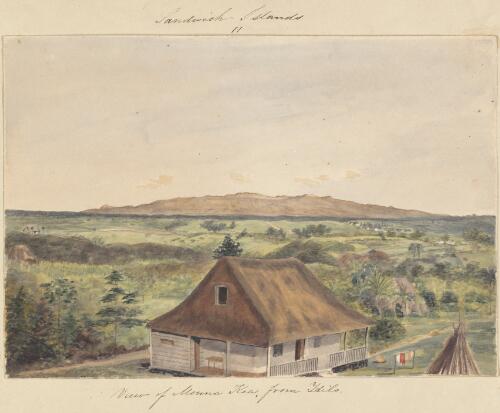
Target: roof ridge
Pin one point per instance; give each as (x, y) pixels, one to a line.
(240, 279)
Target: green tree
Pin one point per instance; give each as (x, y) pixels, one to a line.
(118, 308)
(42, 340)
(88, 337)
(228, 248)
(17, 329)
(69, 328)
(61, 295)
(380, 287)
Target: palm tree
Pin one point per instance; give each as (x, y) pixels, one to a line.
(415, 249)
(379, 286)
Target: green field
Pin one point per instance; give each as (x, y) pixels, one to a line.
(84, 249)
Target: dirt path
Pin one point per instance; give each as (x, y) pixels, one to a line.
(144, 354)
(121, 358)
(413, 340)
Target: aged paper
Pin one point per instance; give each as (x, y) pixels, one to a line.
(57, 58)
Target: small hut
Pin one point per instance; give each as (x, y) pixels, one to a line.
(456, 357)
(21, 253)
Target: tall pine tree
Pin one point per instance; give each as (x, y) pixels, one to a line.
(61, 295)
(118, 308)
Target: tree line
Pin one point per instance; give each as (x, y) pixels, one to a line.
(48, 327)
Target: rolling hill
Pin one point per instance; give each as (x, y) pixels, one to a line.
(251, 204)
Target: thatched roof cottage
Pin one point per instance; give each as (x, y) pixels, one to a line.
(258, 317)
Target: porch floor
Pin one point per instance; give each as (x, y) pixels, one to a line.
(216, 372)
(209, 371)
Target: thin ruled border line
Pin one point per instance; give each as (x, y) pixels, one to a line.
(406, 35)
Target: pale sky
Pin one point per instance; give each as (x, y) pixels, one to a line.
(407, 122)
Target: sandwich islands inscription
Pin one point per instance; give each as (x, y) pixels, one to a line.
(256, 394)
(259, 14)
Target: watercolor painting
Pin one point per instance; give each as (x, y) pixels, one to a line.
(250, 206)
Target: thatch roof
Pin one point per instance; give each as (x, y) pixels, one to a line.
(287, 300)
(404, 285)
(21, 252)
(456, 357)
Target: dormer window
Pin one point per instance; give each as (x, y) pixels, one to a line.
(221, 295)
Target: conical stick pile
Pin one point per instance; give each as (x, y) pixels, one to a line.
(456, 357)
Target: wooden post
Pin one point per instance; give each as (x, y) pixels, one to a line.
(227, 370)
(395, 355)
(150, 348)
(345, 337)
(366, 342)
(191, 351)
(268, 369)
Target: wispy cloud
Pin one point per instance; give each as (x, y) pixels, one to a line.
(162, 180)
(314, 181)
(352, 174)
(240, 178)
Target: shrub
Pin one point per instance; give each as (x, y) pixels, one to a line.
(387, 329)
(399, 310)
(276, 233)
(175, 224)
(308, 252)
(475, 297)
(213, 226)
(83, 251)
(242, 234)
(312, 230)
(449, 297)
(474, 234)
(429, 298)
(449, 300)
(389, 313)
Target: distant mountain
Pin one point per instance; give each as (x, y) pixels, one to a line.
(250, 204)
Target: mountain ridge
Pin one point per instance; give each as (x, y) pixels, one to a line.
(254, 204)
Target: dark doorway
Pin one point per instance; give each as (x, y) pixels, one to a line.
(196, 342)
(299, 349)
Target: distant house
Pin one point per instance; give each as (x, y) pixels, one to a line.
(258, 317)
(32, 229)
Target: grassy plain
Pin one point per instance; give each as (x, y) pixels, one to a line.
(164, 282)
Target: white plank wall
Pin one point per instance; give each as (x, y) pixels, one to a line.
(171, 354)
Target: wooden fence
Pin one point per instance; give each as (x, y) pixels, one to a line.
(295, 368)
(349, 356)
